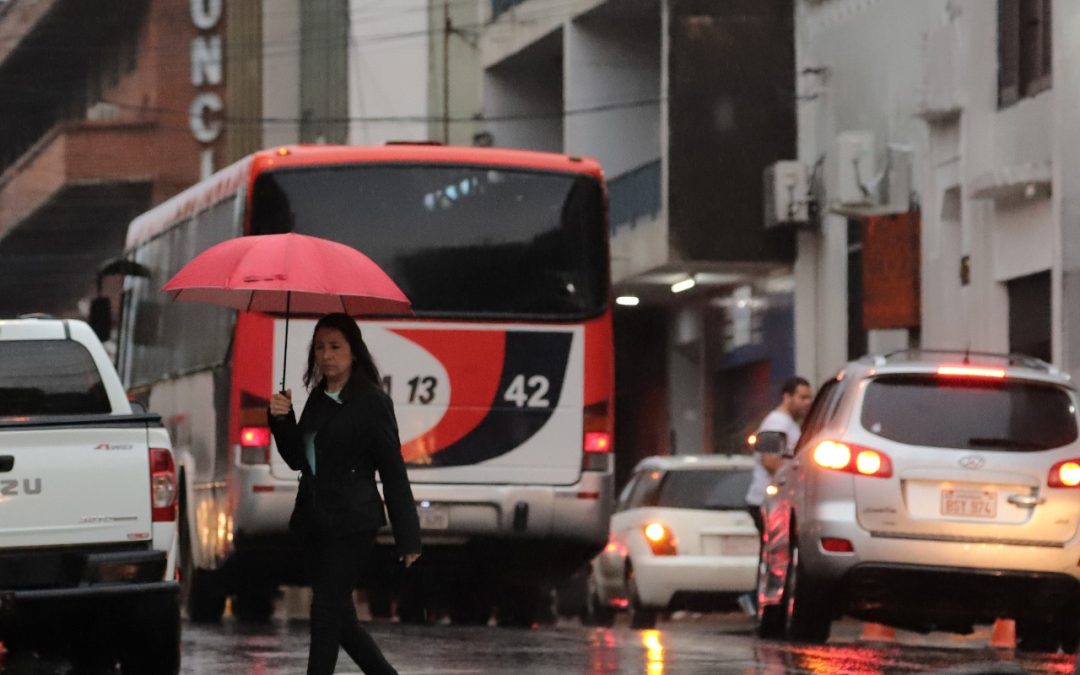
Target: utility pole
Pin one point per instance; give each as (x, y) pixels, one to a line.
(447, 29)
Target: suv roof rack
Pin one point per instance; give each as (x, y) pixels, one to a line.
(938, 355)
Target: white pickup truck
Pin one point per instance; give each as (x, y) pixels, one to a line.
(87, 506)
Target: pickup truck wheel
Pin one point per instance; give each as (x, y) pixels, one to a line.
(202, 592)
(154, 634)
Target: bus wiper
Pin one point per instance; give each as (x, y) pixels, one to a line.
(1004, 443)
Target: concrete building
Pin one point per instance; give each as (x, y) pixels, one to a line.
(956, 113)
(106, 108)
(685, 103)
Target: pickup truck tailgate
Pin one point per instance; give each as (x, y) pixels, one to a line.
(77, 484)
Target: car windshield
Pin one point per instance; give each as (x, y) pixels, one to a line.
(969, 413)
(49, 377)
(713, 489)
(458, 240)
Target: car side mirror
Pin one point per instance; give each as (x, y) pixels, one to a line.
(771, 443)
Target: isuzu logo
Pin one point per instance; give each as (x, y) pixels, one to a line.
(10, 487)
(972, 461)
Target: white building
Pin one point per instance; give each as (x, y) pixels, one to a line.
(976, 95)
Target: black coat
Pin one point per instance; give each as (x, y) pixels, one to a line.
(353, 439)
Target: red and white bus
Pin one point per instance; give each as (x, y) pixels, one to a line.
(502, 380)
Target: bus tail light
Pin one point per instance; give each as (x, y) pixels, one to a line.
(660, 539)
(255, 445)
(852, 459)
(162, 486)
(597, 439)
(1065, 474)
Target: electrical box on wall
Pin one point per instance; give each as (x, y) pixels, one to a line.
(787, 189)
(855, 170)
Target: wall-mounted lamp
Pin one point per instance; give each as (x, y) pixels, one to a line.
(684, 285)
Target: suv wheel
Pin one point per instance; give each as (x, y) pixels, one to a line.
(806, 614)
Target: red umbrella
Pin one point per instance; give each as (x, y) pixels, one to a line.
(285, 273)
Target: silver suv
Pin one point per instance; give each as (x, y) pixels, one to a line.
(929, 491)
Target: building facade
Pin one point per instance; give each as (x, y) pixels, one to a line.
(106, 108)
(685, 103)
(964, 105)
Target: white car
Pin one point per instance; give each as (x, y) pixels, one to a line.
(681, 537)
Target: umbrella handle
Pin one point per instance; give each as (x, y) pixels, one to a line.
(285, 356)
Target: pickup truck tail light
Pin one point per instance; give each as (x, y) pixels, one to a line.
(852, 459)
(162, 486)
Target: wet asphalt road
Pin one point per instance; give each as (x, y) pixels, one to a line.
(692, 646)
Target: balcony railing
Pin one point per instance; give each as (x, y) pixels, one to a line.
(634, 194)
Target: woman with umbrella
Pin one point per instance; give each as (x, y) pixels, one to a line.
(346, 433)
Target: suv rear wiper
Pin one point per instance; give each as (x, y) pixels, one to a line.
(1004, 443)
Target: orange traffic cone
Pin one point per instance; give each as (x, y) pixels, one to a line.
(1003, 635)
(877, 632)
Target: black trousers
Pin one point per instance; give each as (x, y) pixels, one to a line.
(755, 512)
(335, 564)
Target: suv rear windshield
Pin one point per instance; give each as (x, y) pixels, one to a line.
(49, 377)
(969, 413)
(718, 490)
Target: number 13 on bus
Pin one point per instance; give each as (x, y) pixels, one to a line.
(502, 380)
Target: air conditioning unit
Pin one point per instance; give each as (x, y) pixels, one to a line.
(855, 170)
(787, 194)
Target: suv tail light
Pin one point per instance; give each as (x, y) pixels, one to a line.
(660, 539)
(255, 445)
(1065, 474)
(852, 459)
(162, 486)
(597, 439)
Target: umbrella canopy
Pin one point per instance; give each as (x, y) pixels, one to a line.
(287, 273)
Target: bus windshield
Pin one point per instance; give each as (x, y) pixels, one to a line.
(458, 240)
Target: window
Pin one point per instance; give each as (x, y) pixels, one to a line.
(458, 240)
(969, 414)
(644, 492)
(825, 405)
(171, 338)
(49, 377)
(717, 490)
(1024, 49)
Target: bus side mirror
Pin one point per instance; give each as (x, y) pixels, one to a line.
(101, 318)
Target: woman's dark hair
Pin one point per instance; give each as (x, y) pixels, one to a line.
(363, 365)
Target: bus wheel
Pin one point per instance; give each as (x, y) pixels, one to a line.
(202, 591)
(254, 604)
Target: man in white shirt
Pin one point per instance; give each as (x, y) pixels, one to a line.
(795, 399)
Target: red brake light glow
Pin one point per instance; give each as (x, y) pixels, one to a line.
(597, 441)
(255, 437)
(852, 459)
(834, 545)
(968, 371)
(1065, 474)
